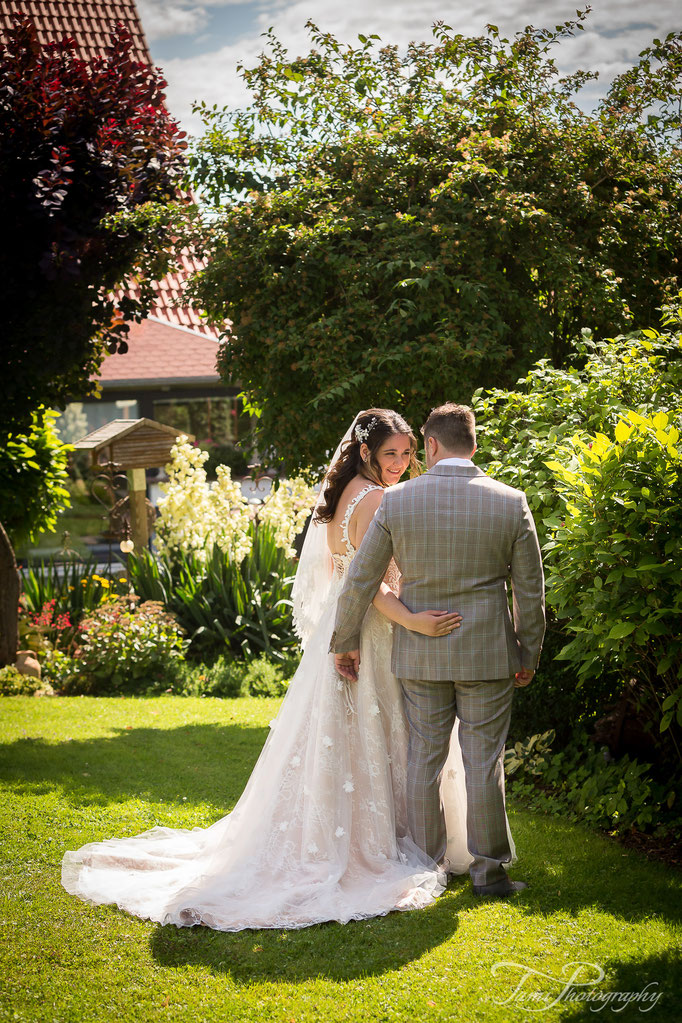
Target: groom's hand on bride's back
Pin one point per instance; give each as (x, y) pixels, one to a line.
(348, 664)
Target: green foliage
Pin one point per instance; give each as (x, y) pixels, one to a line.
(33, 477)
(60, 670)
(231, 678)
(615, 574)
(557, 699)
(395, 229)
(80, 140)
(584, 784)
(124, 648)
(221, 678)
(13, 683)
(226, 454)
(263, 678)
(520, 430)
(244, 608)
(73, 584)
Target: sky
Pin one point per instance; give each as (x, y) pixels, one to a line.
(200, 44)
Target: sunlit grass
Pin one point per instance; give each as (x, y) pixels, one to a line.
(75, 770)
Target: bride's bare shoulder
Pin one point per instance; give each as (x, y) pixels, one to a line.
(351, 491)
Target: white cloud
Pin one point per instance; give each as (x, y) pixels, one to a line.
(162, 20)
(615, 32)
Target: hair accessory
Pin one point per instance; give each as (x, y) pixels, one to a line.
(361, 434)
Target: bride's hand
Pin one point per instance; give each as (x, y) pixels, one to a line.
(435, 623)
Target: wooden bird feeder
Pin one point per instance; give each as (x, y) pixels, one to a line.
(134, 445)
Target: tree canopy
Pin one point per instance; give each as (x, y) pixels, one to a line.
(398, 229)
(80, 141)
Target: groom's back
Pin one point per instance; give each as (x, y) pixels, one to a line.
(454, 531)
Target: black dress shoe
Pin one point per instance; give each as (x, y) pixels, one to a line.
(500, 889)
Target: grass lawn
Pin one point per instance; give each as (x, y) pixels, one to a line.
(76, 770)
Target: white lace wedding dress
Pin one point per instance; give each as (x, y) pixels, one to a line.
(320, 831)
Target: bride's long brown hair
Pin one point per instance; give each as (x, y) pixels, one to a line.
(350, 463)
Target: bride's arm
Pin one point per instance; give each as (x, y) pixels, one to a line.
(430, 623)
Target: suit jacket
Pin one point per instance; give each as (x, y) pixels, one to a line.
(456, 535)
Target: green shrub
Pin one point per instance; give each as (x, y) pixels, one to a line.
(263, 678)
(556, 698)
(519, 431)
(33, 477)
(59, 669)
(125, 648)
(13, 683)
(226, 454)
(222, 678)
(243, 609)
(615, 576)
(584, 784)
(228, 678)
(73, 584)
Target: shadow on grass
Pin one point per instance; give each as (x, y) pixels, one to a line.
(200, 762)
(647, 988)
(332, 951)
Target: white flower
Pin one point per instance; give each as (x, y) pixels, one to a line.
(348, 786)
(195, 515)
(295, 761)
(339, 832)
(326, 741)
(284, 825)
(312, 849)
(286, 509)
(374, 709)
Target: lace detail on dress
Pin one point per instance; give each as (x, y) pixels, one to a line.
(342, 561)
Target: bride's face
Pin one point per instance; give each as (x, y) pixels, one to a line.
(393, 458)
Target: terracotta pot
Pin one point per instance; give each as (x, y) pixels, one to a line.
(27, 663)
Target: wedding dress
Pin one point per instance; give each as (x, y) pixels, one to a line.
(320, 832)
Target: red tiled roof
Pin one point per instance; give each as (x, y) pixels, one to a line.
(161, 354)
(89, 22)
(170, 289)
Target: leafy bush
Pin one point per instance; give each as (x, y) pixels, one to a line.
(226, 454)
(221, 678)
(520, 430)
(74, 585)
(13, 683)
(60, 669)
(44, 629)
(584, 784)
(263, 678)
(557, 699)
(229, 678)
(438, 215)
(33, 477)
(615, 575)
(242, 608)
(125, 648)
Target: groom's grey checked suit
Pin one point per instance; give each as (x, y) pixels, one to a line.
(456, 535)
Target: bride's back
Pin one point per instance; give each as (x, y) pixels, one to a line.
(335, 528)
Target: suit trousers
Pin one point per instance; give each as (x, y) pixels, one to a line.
(484, 712)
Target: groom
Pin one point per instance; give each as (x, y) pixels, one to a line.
(456, 535)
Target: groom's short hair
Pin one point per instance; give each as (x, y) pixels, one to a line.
(453, 426)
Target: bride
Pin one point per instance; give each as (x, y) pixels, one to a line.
(320, 832)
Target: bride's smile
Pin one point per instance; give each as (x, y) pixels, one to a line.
(393, 458)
